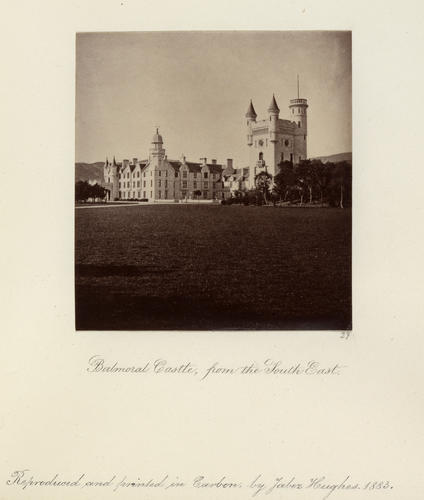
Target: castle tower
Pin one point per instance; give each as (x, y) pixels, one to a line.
(251, 118)
(156, 151)
(274, 112)
(110, 173)
(298, 113)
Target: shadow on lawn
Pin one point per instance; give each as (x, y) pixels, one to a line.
(95, 271)
(99, 309)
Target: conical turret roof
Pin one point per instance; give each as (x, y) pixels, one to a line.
(273, 108)
(251, 113)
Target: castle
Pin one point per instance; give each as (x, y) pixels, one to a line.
(275, 140)
(158, 179)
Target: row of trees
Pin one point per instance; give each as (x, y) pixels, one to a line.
(310, 181)
(84, 191)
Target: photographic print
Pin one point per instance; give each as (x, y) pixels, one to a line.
(213, 179)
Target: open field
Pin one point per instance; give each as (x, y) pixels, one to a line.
(212, 267)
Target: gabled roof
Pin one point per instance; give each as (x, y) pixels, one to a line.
(228, 171)
(215, 168)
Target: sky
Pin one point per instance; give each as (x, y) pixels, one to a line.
(196, 87)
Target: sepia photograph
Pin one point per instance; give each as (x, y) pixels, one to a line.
(213, 180)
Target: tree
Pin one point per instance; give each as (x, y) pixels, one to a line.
(84, 190)
(340, 184)
(322, 177)
(263, 182)
(284, 180)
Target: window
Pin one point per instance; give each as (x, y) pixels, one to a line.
(160, 173)
(292, 110)
(205, 185)
(185, 184)
(205, 195)
(144, 194)
(144, 184)
(166, 183)
(286, 142)
(166, 194)
(120, 194)
(205, 175)
(166, 173)
(261, 156)
(304, 137)
(144, 174)
(176, 174)
(298, 124)
(119, 185)
(195, 184)
(138, 184)
(195, 175)
(138, 174)
(151, 195)
(300, 158)
(266, 140)
(291, 157)
(151, 183)
(185, 174)
(160, 194)
(282, 157)
(160, 183)
(133, 184)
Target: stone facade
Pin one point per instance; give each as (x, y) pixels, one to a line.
(273, 140)
(161, 180)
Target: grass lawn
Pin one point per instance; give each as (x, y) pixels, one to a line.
(213, 267)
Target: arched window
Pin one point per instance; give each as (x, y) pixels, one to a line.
(261, 156)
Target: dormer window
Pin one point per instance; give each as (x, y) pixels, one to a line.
(184, 174)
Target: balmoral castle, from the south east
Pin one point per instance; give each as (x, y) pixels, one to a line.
(159, 179)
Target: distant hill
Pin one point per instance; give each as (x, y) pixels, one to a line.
(89, 172)
(334, 158)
